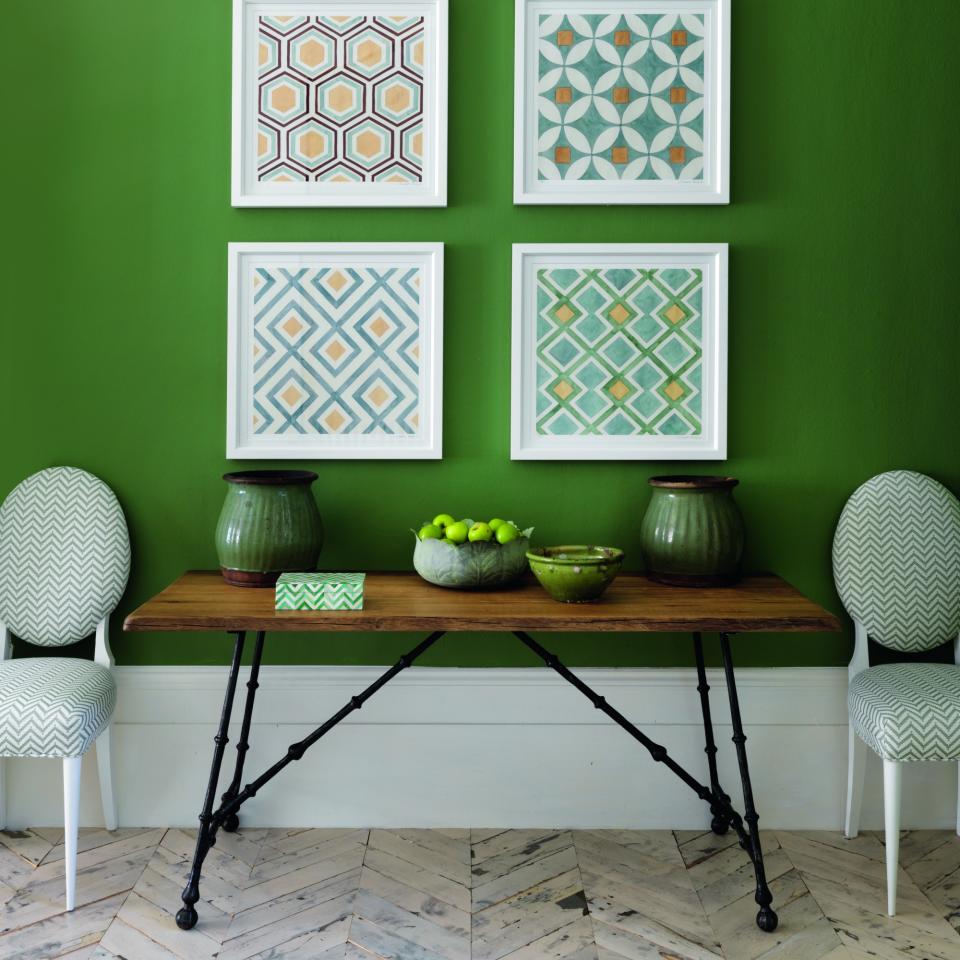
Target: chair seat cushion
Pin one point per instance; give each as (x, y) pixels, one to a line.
(908, 711)
(53, 706)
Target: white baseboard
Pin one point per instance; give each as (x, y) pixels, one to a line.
(480, 747)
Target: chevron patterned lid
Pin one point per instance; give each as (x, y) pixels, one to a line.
(896, 560)
(64, 556)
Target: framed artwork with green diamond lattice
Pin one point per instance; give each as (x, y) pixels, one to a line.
(622, 102)
(619, 351)
(339, 103)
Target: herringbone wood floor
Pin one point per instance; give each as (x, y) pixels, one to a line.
(481, 894)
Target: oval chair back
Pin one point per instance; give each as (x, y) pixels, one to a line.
(64, 556)
(896, 560)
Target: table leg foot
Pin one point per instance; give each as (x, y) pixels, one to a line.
(187, 918)
(767, 919)
(719, 825)
(231, 824)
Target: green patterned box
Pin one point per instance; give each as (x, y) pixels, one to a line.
(320, 591)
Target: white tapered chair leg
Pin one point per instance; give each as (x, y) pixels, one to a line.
(891, 820)
(71, 818)
(105, 767)
(856, 765)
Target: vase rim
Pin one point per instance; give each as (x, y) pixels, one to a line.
(694, 483)
(270, 477)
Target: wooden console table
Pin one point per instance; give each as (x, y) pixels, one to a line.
(201, 600)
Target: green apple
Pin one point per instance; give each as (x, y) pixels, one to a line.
(506, 533)
(480, 532)
(442, 520)
(457, 531)
(430, 531)
(451, 542)
(495, 522)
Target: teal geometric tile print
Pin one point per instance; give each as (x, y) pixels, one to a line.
(623, 102)
(336, 350)
(619, 351)
(621, 96)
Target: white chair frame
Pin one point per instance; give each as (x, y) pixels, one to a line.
(71, 769)
(892, 777)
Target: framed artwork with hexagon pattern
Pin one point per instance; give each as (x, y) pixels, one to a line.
(339, 103)
(335, 351)
(619, 352)
(622, 102)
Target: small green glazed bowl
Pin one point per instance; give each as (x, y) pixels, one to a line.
(575, 574)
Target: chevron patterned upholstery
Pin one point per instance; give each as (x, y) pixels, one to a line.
(64, 556)
(53, 706)
(896, 560)
(908, 711)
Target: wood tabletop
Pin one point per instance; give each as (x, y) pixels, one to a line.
(201, 600)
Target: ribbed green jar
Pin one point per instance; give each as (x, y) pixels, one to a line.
(269, 525)
(692, 533)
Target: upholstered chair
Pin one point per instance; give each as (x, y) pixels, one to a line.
(896, 563)
(64, 562)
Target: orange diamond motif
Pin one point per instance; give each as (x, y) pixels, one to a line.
(292, 325)
(619, 313)
(563, 313)
(291, 395)
(675, 313)
(379, 326)
(335, 350)
(379, 396)
(673, 390)
(563, 389)
(335, 420)
(337, 281)
(619, 390)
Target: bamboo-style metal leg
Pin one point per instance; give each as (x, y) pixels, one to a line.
(207, 835)
(766, 917)
(232, 822)
(720, 822)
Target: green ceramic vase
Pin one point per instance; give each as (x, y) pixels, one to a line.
(692, 533)
(269, 525)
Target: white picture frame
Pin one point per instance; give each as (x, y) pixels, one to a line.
(335, 351)
(345, 108)
(619, 351)
(600, 67)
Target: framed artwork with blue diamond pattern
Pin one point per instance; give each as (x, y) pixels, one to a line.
(335, 351)
(619, 352)
(622, 102)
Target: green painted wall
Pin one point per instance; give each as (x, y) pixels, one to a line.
(843, 295)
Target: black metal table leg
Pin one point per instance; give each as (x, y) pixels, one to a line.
(721, 822)
(232, 823)
(211, 820)
(206, 837)
(766, 917)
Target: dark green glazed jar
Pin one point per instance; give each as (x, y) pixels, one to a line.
(692, 533)
(269, 525)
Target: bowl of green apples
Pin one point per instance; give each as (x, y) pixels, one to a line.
(471, 554)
